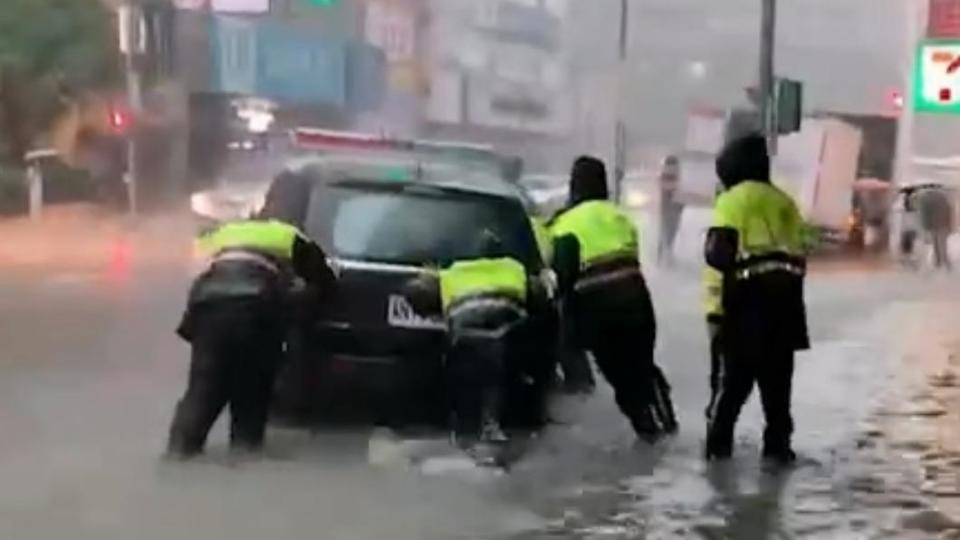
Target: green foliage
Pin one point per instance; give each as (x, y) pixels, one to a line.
(50, 50)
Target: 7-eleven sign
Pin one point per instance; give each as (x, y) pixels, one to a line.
(937, 77)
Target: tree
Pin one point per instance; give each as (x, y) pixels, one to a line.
(50, 52)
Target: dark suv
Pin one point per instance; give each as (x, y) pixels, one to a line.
(367, 353)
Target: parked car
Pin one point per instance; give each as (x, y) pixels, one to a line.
(548, 193)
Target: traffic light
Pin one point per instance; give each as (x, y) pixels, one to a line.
(119, 119)
(897, 100)
(789, 106)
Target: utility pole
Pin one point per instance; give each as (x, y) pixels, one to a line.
(130, 20)
(767, 73)
(914, 12)
(620, 135)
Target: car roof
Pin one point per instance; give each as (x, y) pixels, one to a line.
(402, 169)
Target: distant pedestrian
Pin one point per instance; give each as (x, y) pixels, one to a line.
(671, 209)
(935, 211)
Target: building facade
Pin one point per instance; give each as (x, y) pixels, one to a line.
(498, 71)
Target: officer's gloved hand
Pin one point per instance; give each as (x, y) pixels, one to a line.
(721, 248)
(423, 292)
(303, 299)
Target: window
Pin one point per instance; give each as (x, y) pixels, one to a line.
(415, 225)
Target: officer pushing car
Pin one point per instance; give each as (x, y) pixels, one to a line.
(236, 322)
(485, 302)
(610, 303)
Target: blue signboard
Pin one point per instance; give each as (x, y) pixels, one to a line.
(273, 60)
(366, 77)
(234, 55)
(300, 67)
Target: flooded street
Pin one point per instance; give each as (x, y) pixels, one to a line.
(91, 370)
(468, 171)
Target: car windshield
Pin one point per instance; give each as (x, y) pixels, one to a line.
(415, 225)
(543, 182)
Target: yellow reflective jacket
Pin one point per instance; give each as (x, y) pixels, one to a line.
(273, 238)
(767, 222)
(480, 277)
(603, 230)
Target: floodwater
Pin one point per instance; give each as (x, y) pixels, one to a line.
(90, 370)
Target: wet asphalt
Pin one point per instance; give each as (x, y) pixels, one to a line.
(90, 370)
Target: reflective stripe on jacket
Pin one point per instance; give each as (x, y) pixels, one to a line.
(482, 279)
(248, 257)
(603, 230)
(770, 231)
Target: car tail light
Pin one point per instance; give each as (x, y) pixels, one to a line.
(327, 139)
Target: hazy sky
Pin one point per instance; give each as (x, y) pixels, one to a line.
(686, 52)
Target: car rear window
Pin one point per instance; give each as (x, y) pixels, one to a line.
(414, 225)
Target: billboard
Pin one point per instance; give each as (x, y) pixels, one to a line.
(300, 67)
(269, 59)
(937, 77)
(240, 6)
(944, 19)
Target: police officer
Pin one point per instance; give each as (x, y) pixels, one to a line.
(754, 281)
(484, 301)
(611, 306)
(575, 365)
(236, 321)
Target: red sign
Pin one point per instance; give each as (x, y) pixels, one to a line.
(944, 20)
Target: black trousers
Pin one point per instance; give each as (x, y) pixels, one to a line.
(733, 376)
(617, 324)
(477, 373)
(237, 347)
(574, 361)
(669, 226)
(941, 255)
(716, 359)
(640, 388)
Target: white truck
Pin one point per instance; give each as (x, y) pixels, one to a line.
(817, 166)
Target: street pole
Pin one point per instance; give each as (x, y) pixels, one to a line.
(903, 164)
(620, 135)
(129, 23)
(767, 74)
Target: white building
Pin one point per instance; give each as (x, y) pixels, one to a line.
(498, 66)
